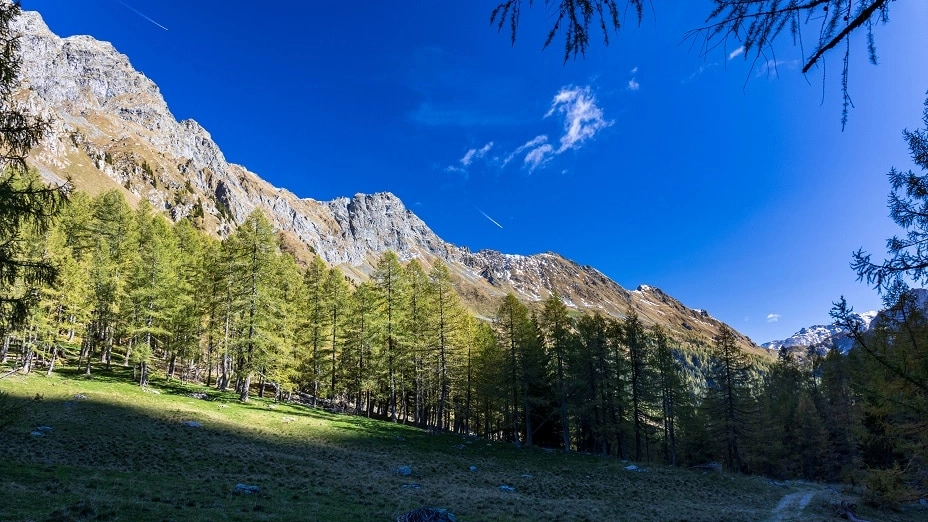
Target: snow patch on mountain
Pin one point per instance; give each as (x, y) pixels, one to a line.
(822, 336)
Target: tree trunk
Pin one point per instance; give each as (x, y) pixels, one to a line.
(6, 348)
(71, 320)
(246, 384)
(222, 382)
(51, 362)
(125, 360)
(172, 366)
(28, 354)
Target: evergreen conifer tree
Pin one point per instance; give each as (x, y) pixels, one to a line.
(728, 402)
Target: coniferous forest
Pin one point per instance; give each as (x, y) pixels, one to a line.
(137, 291)
(93, 283)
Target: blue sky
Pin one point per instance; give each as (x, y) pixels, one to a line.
(732, 188)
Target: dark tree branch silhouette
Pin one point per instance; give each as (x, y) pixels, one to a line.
(755, 24)
(908, 207)
(27, 206)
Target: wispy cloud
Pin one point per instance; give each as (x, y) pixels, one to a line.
(582, 117)
(473, 154)
(771, 68)
(772, 318)
(633, 84)
(533, 143)
(736, 53)
(539, 156)
(698, 72)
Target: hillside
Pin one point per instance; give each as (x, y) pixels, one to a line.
(98, 449)
(112, 129)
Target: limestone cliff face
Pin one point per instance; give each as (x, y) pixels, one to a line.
(113, 129)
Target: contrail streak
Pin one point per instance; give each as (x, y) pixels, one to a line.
(488, 217)
(136, 11)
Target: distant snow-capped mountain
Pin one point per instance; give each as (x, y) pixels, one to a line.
(822, 336)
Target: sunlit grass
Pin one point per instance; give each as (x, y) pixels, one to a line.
(118, 452)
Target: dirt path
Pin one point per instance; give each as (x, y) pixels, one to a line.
(790, 507)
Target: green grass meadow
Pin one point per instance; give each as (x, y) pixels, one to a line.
(118, 452)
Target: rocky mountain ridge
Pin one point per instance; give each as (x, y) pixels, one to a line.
(112, 129)
(822, 337)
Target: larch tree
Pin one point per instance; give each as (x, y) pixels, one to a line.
(449, 327)
(671, 389)
(511, 323)
(556, 331)
(112, 232)
(637, 343)
(337, 291)
(184, 318)
(315, 319)
(278, 366)
(728, 402)
(778, 403)
(361, 331)
(254, 245)
(151, 287)
(211, 306)
(592, 369)
(893, 356)
(419, 325)
(72, 252)
(618, 385)
(26, 204)
(492, 383)
(390, 282)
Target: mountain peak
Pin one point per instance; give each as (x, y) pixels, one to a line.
(822, 336)
(113, 130)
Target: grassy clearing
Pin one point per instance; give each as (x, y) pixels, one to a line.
(117, 452)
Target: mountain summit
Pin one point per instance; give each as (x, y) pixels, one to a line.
(112, 129)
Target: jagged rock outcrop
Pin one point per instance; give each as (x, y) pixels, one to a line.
(113, 129)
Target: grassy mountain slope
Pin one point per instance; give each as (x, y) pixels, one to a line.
(115, 451)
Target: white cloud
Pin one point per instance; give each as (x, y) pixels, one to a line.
(473, 154)
(530, 144)
(772, 318)
(772, 67)
(698, 72)
(633, 85)
(468, 157)
(538, 156)
(634, 71)
(582, 120)
(582, 117)
(736, 53)
(454, 169)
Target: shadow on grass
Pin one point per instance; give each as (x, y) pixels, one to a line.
(125, 454)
